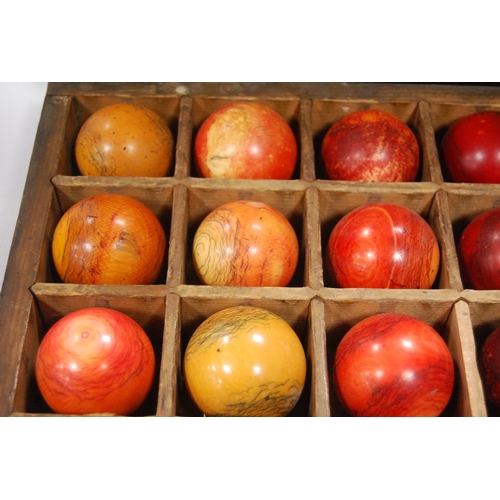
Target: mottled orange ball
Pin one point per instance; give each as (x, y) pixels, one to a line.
(127, 140)
(245, 243)
(109, 239)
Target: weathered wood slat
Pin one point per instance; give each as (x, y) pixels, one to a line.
(318, 361)
(171, 359)
(453, 94)
(21, 271)
(460, 340)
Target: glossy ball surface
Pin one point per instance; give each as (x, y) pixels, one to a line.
(245, 243)
(95, 360)
(490, 369)
(371, 146)
(471, 148)
(383, 245)
(109, 239)
(124, 139)
(245, 141)
(393, 365)
(245, 361)
(479, 251)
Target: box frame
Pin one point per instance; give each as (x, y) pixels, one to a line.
(32, 297)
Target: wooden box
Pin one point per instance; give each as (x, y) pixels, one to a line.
(33, 297)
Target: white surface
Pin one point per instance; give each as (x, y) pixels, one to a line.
(20, 108)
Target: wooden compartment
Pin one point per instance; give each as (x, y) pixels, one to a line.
(444, 115)
(156, 195)
(414, 113)
(198, 303)
(338, 199)
(33, 297)
(465, 203)
(288, 199)
(449, 317)
(51, 302)
(84, 105)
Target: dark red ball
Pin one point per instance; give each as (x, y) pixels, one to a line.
(490, 359)
(471, 148)
(371, 145)
(393, 365)
(479, 252)
(383, 245)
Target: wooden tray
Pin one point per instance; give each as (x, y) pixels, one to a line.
(33, 297)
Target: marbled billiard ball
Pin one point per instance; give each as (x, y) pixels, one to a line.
(245, 243)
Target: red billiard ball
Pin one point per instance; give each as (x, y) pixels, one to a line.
(383, 245)
(393, 365)
(479, 251)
